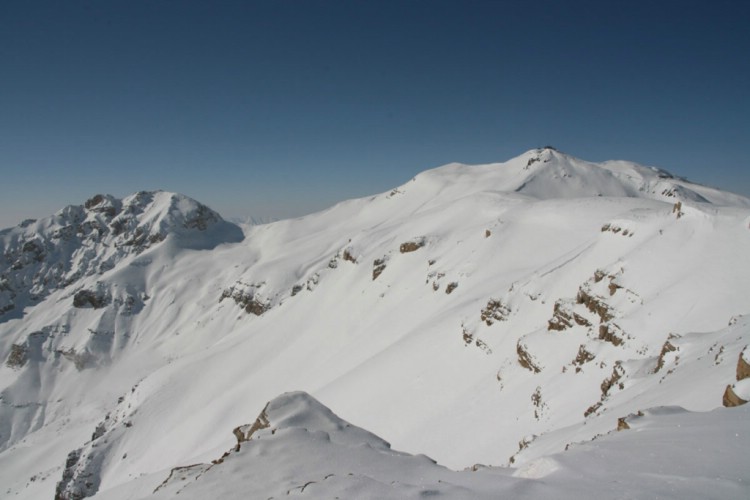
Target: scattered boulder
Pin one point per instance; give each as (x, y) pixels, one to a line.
(413, 245)
(451, 286)
(348, 256)
(677, 209)
(378, 266)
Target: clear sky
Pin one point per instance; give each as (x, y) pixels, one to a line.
(279, 108)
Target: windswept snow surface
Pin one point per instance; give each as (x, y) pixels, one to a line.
(472, 311)
(300, 448)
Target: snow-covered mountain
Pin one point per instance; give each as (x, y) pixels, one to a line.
(488, 314)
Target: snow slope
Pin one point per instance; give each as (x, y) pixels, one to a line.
(298, 447)
(473, 309)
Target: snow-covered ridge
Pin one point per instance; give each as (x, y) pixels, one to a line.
(549, 174)
(298, 447)
(478, 314)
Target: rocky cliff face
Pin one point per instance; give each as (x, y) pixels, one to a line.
(41, 256)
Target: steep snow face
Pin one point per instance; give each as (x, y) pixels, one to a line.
(465, 313)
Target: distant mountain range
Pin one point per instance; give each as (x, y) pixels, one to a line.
(494, 314)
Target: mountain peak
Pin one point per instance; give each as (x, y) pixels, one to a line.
(546, 173)
(90, 239)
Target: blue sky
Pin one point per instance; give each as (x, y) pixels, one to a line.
(279, 108)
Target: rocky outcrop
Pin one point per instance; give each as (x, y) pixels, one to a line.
(595, 304)
(617, 229)
(378, 266)
(583, 357)
(563, 317)
(244, 433)
(614, 380)
(19, 355)
(348, 255)
(81, 476)
(743, 365)
(413, 245)
(731, 399)
(248, 298)
(610, 332)
(526, 359)
(91, 298)
(666, 348)
(495, 310)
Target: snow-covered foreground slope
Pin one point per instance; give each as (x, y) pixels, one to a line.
(297, 447)
(465, 313)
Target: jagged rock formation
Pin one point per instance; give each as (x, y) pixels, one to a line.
(39, 257)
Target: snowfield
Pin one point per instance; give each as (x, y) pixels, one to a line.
(513, 315)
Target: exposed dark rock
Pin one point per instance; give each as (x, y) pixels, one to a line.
(495, 310)
(526, 359)
(677, 209)
(618, 372)
(595, 304)
(743, 368)
(468, 336)
(201, 219)
(411, 246)
(610, 332)
(348, 256)
(296, 289)
(451, 286)
(19, 355)
(592, 409)
(666, 348)
(245, 432)
(583, 356)
(622, 424)
(614, 228)
(93, 201)
(731, 399)
(563, 317)
(61, 492)
(89, 298)
(378, 266)
(247, 298)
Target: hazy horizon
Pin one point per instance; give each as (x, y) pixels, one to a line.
(275, 109)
